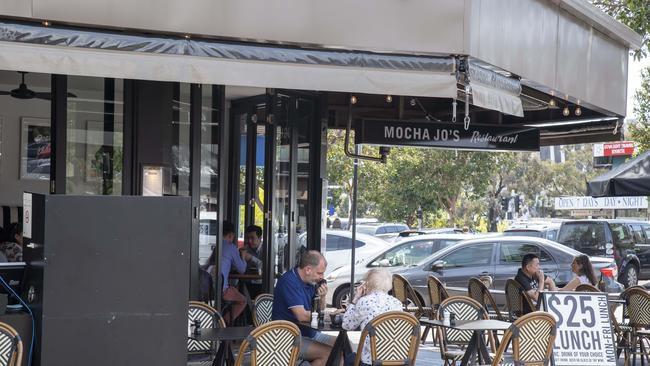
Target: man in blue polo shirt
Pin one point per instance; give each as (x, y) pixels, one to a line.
(292, 301)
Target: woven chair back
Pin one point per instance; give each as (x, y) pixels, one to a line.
(262, 309)
(209, 318)
(11, 347)
(274, 343)
(394, 338)
(464, 308)
(517, 301)
(638, 308)
(478, 291)
(437, 292)
(532, 337)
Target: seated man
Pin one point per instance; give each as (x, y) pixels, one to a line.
(530, 276)
(293, 297)
(252, 244)
(231, 257)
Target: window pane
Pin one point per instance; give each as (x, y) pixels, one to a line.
(469, 257)
(512, 253)
(94, 137)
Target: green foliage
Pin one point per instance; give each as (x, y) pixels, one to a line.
(639, 131)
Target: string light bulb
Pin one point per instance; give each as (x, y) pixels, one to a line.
(353, 99)
(46, 23)
(389, 99)
(551, 103)
(578, 111)
(566, 112)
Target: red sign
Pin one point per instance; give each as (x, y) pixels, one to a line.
(623, 148)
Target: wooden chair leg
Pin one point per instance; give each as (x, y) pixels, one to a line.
(425, 333)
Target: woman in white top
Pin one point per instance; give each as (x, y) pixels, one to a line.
(370, 300)
(584, 271)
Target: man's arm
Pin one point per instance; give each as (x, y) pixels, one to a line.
(533, 294)
(300, 313)
(238, 261)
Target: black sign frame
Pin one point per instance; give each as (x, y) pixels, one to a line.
(393, 132)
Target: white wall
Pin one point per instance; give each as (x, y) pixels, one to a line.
(11, 110)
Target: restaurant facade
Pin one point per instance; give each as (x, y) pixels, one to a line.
(229, 103)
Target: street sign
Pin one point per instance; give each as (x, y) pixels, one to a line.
(584, 331)
(591, 203)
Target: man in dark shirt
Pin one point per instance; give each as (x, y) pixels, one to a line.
(253, 245)
(530, 276)
(293, 297)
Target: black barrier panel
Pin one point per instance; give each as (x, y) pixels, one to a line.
(448, 135)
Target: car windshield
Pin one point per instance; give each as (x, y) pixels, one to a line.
(405, 254)
(369, 230)
(586, 237)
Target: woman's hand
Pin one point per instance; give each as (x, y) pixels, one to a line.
(359, 293)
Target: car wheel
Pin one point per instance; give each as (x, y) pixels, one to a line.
(342, 296)
(630, 276)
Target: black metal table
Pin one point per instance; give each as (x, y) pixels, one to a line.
(476, 346)
(225, 336)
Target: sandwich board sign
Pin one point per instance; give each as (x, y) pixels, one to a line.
(584, 333)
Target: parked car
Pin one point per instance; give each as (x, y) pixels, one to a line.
(549, 231)
(406, 253)
(381, 230)
(500, 258)
(338, 248)
(627, 241)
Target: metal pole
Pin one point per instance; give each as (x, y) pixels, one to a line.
(353, 217)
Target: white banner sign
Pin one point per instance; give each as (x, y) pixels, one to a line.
(591, 203)
(584, 331)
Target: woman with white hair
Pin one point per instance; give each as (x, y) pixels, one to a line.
(370, 300)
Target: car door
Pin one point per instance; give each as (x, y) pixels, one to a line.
(509, 261)
(465, 262)
(642, 247)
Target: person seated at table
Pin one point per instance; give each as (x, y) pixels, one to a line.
(584, 271)
(252, 244)
(231, 258)
(370, 300)
(292, 301)
(12, 246)
(530, 276)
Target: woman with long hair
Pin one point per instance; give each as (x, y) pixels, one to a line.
(584, 271)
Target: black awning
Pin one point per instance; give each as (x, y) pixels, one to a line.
(629, 179)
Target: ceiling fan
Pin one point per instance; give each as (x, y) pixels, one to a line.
(23, 92)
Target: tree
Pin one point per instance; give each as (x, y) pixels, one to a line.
(639, 130)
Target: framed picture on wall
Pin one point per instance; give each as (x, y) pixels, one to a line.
(35, 148)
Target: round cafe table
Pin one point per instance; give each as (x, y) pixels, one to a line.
(341, 345)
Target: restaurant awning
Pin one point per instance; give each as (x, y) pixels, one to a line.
(27, 47)
(629, 179)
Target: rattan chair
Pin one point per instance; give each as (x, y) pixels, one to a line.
(532, 337)
(585, 287)
(394, 338)
(262, 309)
(477, 290)
(517, 300)
(11, 346)
(403, 291)
(210, 318)
(274, 343)
(452, 340)
(437, 294)
(638, 308)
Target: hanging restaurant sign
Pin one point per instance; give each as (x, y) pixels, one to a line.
(584, 333)
(448, 135)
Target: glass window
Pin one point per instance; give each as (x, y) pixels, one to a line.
(477, 255)
(335, 242)
(368, 230)
(94, 136)
(583, 236)
(382, 230)
(646, 230)
(621, 236)
(512, 253)
(444, 243)
(405, 254)
(637, 232)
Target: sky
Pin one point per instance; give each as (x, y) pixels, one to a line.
(634, 82)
